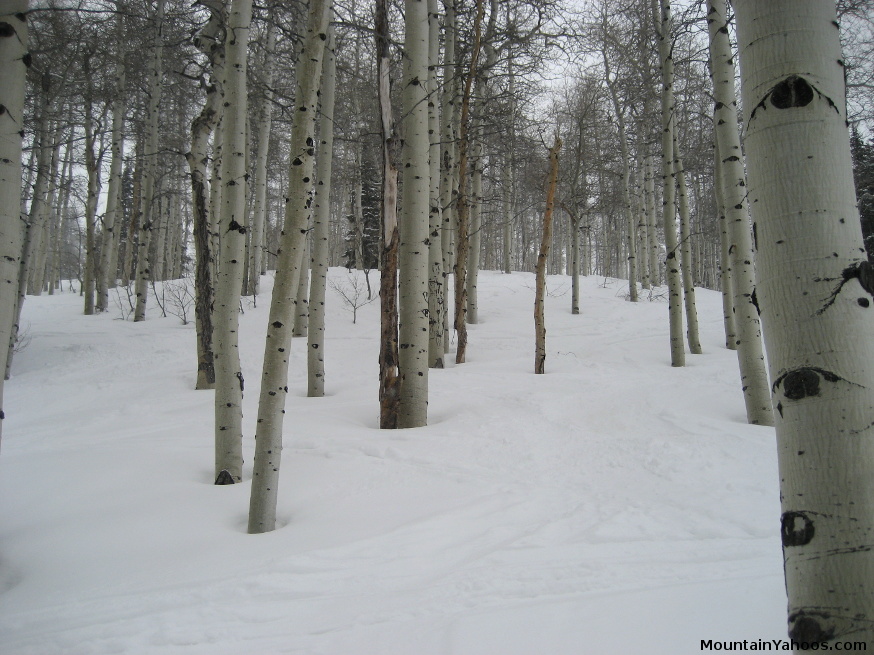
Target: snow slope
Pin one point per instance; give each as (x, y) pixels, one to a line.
(613, 505)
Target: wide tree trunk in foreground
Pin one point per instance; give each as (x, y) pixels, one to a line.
(540, 288)
(13, 47)
(732, 187)
(232, 226)
(274, 379)
(815, 290)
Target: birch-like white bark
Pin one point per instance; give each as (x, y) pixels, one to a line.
(751, 360)
(669, 212)
(274, 378)
(815, 292)
(321, 227)
(685, 251)
(436, 276)
(413, 222)
(13, 68)
(150, 170)
(232, 226)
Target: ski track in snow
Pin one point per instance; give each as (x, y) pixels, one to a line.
(614, 504)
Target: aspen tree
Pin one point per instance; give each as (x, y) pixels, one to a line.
(685, 252)
(389, 378)
(732, 184)
(113, 194)
(448, 132)
(265, 122)
(462, 200)
(414, 221)
(14, 61)
(210, 44)
(274, 379)
(321, 217)
(540, 285)
(232, 228)
(725, 258)
(150, 172)
(437, 278)
(815, 292)
(672, 263)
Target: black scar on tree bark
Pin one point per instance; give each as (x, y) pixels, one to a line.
(225, 478)
(862, 271)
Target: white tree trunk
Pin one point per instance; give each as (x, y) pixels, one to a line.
(815, 291)
(725, 259)
(113, 195)
(672, 263)
(448, 133)
(413, 222)
(13, 47)
(321, 218)
(259, 213)
(143, 274)
(475, 237)
(685, 251)
(751, 360)
(437, 278)
(274, 380)
(232, 226)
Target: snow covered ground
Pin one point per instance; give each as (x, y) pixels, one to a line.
(614, 505)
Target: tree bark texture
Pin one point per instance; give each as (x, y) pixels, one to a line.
(232, 226)
(732, 181)
(815, 292)
(540, 272)
(321, 227)
(274, 379)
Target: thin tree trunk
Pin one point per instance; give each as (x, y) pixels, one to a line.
(321, 218)
(259, 213)
(448, 133)
(672, 263)
(540, 288)
(751, 360)
(815, 290)
(462, 202)
(437, 278)
(685, 251)
(150, 172)
(232, 225)
(652, 232)
(725, 256)
(274, 380)
(475, 238)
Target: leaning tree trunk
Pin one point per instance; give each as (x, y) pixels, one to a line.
(274, 379)
(321, 228)
(150, 173)
(232, 226)
(540, 272)
(672, 262)
(815, 289)
(13, 68)
(732, 181)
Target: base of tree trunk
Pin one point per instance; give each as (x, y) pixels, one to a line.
(225, 478)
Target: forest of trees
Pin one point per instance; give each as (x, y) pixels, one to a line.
(204, 144)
